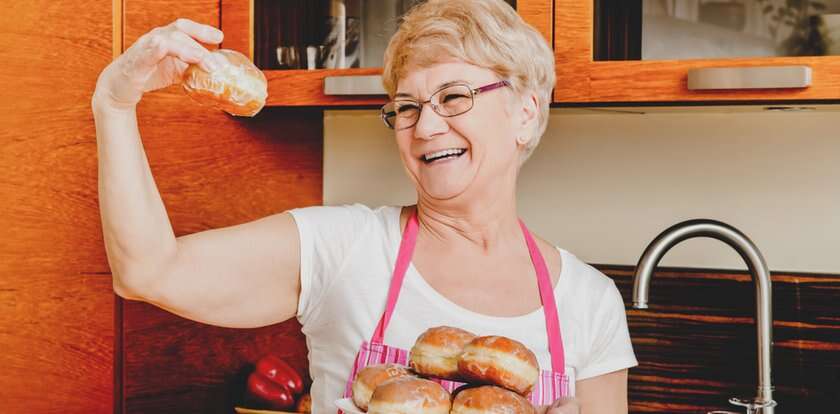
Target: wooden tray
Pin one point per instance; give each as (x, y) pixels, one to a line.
(243, 410)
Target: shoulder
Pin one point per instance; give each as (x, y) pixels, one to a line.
(345, 211)
(582, 278)
(587, 292)
(352, 215)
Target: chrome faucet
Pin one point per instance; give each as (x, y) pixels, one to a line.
(763, 402)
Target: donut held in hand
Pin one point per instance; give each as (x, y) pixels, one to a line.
(235, 85)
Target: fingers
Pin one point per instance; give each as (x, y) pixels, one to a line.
(563, 401)
(198, 31)
(564, 406)
(180, 40)
(196, 52)
(162, 42)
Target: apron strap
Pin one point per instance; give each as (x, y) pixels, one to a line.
(409, 240)
(552, 323)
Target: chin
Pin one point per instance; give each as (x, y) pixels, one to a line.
(443, 184)
(443, 191)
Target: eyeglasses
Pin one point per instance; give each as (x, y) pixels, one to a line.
(451, 100)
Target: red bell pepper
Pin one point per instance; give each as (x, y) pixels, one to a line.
(275, 383)
(277, 370)
(275, 396)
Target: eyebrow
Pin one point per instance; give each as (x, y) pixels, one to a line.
(439, 87)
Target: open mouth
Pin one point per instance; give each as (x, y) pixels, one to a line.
(446, 154)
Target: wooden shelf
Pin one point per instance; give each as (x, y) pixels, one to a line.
(306, 88)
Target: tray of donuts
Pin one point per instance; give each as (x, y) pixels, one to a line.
(497, 373)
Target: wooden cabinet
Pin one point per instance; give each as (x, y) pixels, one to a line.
(582, 79)
(56, 296)
(305, 87)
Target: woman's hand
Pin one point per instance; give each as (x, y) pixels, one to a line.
(156, 60)
(561, 406)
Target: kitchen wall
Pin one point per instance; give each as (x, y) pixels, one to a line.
(603, 185)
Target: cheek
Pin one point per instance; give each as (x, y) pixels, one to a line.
(403, 145)
(407, 160)
(497, 123)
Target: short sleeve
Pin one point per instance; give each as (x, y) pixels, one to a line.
(610, 348)
(328, 235)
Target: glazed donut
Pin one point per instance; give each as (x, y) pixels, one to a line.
(369, 377)
(409, 395)
(436, 351)
(501, 361)
(236, 87)
(488, 399)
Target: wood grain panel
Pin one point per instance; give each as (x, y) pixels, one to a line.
(144, 15)
(306, 88)
(580, 79)
(696, 344)
(56, 302)
(573, 39)
(236, 22)
(540, 14)
(177, 366)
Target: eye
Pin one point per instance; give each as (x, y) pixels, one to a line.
(452, 96)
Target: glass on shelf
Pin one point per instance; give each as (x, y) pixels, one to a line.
(325, 34)
(288, 57)
(711, 29)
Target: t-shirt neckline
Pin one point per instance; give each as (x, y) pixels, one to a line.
(434, 295)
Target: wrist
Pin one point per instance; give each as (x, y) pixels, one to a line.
(104, 97)
(103, 102)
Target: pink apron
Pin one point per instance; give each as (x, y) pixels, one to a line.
(551, 384)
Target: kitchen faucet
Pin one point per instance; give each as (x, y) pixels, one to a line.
(763, 402)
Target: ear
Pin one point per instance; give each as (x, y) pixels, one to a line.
(528, 118)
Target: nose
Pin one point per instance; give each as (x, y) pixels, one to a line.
(429, 124)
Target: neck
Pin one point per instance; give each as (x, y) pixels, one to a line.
(487, 224)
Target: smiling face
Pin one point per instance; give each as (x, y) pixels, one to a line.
(465, 156)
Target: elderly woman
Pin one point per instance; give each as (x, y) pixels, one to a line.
(471, 85)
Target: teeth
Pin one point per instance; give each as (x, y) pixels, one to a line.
(451, 151)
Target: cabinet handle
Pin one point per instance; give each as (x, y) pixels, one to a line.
(761, 77)
(354, 85)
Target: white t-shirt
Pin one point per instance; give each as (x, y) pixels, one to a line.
(347, 259)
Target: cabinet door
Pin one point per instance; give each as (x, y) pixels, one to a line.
(295, 43)
(670, 51)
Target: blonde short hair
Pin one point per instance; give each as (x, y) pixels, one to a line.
(485, 33)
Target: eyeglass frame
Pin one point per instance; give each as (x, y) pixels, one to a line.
(473, 92)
